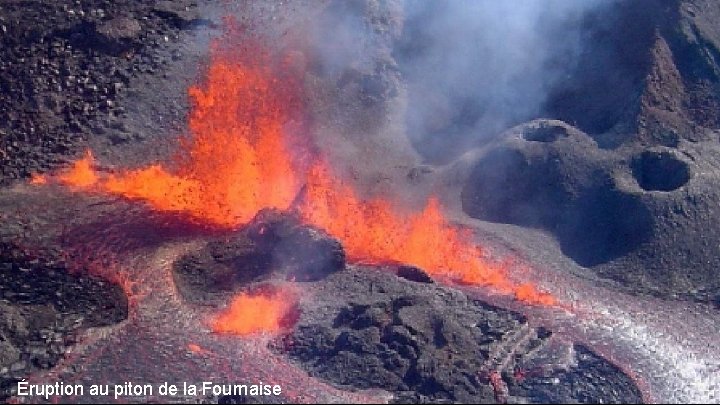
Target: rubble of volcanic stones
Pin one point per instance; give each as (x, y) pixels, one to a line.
(64, 66)
(273, 245)
(42, 306)
(427, 343)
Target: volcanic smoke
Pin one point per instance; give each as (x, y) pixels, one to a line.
(237, 160)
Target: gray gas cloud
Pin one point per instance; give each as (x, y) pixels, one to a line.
(469, 68)
(474, 67)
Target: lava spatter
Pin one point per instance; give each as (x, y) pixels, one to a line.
(237, 159)
(234, 162)
(81, 174)
(38, 179)
(268, 312)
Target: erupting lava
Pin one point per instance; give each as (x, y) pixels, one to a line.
(38, 179)
(251, 313)
(237, 161)
(81, 174)
(373, 231)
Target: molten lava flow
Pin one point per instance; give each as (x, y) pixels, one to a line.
(248, 313)
(38, 179)
(81, 174)
(236, 161)
(528, 293)
(372, 231)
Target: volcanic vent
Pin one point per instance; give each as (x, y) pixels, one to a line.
(251, 254)
(248, 150)
(247, 177)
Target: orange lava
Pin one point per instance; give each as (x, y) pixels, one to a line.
(253, 313)
(528, 293)
(81, 174)
(38, 179)
(199, 350)
(237, 160)
(372, 231)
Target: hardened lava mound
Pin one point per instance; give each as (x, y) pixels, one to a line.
(274, 246)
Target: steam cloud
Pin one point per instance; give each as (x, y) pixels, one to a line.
(471, 68)
(474, 68)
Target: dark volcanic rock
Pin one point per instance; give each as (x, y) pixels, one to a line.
(545, 131)
(635, 214)
(659, 76)
(272, 245)
(301, 252)
(41, 307)
(414, 274)
(662, 171)
(179, 12)
(13, 328)
(118, 34)
(562, 187)
(591, 378)
(220, 267)
(63, 65)
(426, 343)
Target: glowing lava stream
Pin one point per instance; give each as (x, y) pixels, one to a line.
(671, 348)
(257, 312)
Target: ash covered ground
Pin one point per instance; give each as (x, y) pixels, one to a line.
(605, 180)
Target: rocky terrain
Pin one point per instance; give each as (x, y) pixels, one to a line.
(393, 328)
(42, 307)
(430, 345)
(613, 181)
(63, 67)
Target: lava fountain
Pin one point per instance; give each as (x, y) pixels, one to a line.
(257, 312)
(240, 157)
(372, 231)
(235, 162)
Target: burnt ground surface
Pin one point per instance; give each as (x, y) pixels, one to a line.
(42, 306)
(426, 343)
